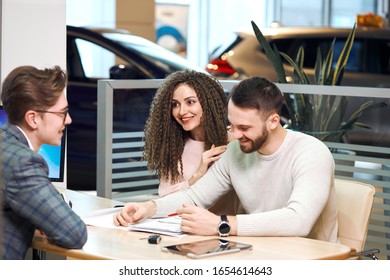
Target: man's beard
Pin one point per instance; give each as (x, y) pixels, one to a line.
(256, 143)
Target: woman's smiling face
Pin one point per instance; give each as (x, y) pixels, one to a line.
(187, 111)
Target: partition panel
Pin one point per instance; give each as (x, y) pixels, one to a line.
(123, 107)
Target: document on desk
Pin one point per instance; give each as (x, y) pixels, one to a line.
(104, 218)
(167, 226)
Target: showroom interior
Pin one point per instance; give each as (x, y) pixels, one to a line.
(193, 30)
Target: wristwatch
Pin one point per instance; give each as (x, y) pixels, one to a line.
(224, 227)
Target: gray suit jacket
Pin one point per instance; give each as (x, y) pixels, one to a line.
(30, 200)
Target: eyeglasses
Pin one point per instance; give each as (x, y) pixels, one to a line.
(64, 113)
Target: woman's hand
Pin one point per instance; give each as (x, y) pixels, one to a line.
(208, 157)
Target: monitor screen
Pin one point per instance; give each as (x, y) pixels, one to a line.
(54, 155)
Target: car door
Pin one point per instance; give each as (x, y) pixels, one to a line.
(88, 60)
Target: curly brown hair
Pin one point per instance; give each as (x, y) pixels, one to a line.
(165, 138)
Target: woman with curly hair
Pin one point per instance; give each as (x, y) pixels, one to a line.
(186, 131)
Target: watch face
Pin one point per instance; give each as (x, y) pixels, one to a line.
(224, 228)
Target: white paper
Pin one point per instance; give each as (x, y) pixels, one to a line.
(168, 226)
(104, 218)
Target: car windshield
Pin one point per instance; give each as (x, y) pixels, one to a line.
(228, 44)
(151, 51)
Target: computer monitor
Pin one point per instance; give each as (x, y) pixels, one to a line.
(54, 156)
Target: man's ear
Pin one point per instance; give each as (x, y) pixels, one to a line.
(31, 119)
(273, 121)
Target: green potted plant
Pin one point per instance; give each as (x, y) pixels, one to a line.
(320, 115)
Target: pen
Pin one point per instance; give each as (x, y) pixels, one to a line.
(172, 214)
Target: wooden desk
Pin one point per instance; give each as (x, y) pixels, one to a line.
(118, 244)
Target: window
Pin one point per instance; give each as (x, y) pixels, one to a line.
(311, 46)
(379, 53)
(343, 13)
(301, 13)
(95, 59)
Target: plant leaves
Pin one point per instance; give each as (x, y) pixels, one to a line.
(318, 77)
(301, 74)
(273, 58)
(369, 105)
(320, 114)
(327, 65)
(343, 58)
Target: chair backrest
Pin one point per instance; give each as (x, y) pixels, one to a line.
(354, 202)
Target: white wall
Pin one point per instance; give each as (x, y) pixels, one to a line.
(32, 32)
(91, 13)
(211, 22)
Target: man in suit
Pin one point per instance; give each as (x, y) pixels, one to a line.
(37, 111)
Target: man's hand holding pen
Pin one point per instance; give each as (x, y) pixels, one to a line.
(197, 220)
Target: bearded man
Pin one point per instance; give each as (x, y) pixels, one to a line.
(284, 179)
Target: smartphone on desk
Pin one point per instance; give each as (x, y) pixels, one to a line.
(206, 248)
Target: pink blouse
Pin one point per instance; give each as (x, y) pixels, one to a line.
(191, 157)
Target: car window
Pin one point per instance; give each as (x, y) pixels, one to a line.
(96, 60)
(287, 46)
(356, 56)
(311, 45)
(378, 53)
(152, 52)
(227, 45)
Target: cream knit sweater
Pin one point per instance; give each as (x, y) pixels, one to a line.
(288, 193)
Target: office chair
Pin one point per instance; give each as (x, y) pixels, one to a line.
(354, 203)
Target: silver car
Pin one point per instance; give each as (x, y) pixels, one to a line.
(368, 65)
